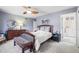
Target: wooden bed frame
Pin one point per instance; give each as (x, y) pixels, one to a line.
(50, 30)
(27, 32)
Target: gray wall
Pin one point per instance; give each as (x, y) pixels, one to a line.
(3, 22)
(4, 19)
(54, 18)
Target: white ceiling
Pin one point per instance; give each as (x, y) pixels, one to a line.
(43, 10)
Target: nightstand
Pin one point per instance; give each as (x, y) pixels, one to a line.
(56, 37)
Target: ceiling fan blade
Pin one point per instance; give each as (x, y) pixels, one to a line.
(24, 12)
(35, 12)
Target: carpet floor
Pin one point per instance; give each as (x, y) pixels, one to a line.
(48, 47)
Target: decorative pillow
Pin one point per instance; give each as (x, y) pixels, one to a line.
(27, 37)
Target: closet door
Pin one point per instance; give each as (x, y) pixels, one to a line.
(68, 29)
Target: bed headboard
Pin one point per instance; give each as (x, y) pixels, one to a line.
(46, 28)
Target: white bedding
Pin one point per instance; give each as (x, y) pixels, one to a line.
(40, 37)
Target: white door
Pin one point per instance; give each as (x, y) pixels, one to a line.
(68, 27)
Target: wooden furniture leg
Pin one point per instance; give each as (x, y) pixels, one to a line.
(22, 50)
(31, 50)
(14, 43)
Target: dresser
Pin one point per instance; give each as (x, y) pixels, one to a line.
(14, 33)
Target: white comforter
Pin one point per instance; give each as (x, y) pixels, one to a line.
(40, 37)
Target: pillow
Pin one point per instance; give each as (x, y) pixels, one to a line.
(42, 28)
(27, 37)
(47, 29)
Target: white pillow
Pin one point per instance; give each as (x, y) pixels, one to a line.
(42, 28)
(47, 29)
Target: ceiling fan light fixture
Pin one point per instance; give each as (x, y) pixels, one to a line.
(29, 12)
(34, 14)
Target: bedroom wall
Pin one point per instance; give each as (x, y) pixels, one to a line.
(54, 18)
(4, 19)
(27, 23)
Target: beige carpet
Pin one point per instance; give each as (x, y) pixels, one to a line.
(47, 47)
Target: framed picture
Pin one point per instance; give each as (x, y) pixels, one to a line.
(11, 24)
(44, 22)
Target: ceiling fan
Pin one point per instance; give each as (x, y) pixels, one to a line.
(30, 10)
